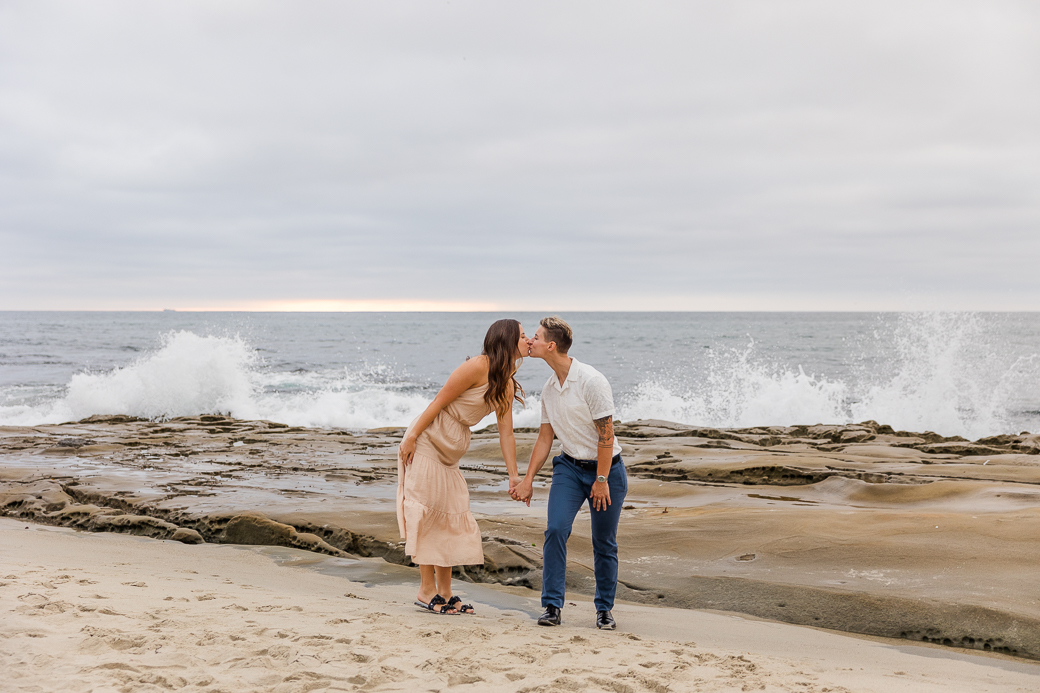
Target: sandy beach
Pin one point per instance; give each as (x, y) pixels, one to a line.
(101, 612)
(742, 553)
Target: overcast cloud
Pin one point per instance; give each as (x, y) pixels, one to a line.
(597, 155)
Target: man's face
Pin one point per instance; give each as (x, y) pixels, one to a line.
(539, 345)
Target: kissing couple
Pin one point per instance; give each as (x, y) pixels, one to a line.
(433, 512)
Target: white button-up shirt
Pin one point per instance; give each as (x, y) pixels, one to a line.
(571, 408)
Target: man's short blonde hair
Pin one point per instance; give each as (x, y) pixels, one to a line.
(556, 330)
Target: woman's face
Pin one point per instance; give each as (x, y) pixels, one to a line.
(523, 347)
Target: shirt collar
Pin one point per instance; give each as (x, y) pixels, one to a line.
(572, 376)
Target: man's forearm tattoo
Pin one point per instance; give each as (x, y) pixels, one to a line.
(605, 428)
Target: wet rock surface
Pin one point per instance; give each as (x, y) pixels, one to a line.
(859, 528)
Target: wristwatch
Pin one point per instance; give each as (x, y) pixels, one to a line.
(601, 479)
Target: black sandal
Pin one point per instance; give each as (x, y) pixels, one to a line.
(462, 608)
(438, 600)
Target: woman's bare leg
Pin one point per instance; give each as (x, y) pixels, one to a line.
(427, 583)
(443, 578)
(429, 579)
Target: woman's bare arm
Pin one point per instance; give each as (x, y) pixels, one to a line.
(462, 378)
(542, 447)
(507, 441)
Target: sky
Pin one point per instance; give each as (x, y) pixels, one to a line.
(386, 155)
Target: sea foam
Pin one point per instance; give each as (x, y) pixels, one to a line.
(931, 371)
(191, 374)
(934, 371)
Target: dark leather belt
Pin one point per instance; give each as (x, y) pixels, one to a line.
(588, 464)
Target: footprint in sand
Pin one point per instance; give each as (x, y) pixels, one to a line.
(270, 607)
(467, 635)
(104, 638)
(384, 675)
(33, 599)
(35, 603)
(463, 679)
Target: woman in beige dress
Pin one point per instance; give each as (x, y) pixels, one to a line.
(432, 498)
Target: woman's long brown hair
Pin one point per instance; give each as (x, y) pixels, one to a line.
(500, 348)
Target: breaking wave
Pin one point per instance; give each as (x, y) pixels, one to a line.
(942, 372)
(191, 375)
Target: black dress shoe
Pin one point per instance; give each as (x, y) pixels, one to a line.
(604, 621)
(551, 617)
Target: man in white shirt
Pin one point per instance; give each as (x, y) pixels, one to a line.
(577, 408)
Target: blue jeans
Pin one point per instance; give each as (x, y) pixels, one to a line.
(571, 486)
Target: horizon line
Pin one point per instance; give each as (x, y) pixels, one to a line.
(701, 305)
(524, 310)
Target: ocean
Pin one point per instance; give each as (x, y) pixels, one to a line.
(968, 374)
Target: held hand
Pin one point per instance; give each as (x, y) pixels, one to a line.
(600, 495)
(513, 481)
(523, 492)
(406, 450)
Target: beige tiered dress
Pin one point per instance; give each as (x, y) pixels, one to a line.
(432, 498)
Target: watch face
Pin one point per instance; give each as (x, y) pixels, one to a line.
(601, 478)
